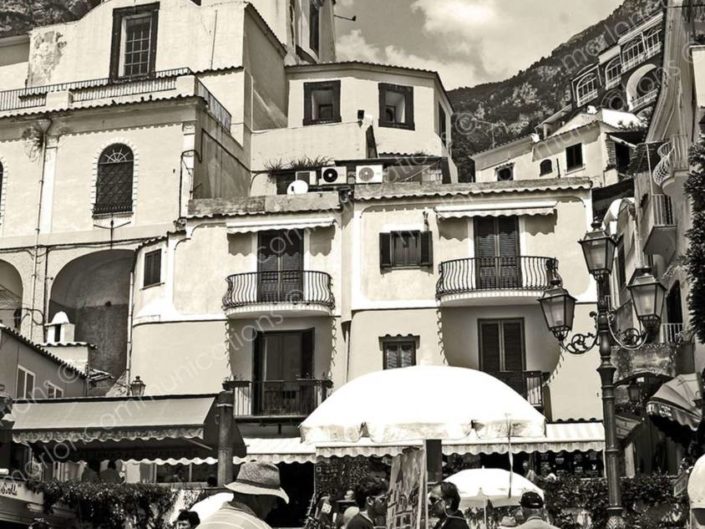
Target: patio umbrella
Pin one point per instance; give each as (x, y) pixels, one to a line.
(422, 403)
(502, 488)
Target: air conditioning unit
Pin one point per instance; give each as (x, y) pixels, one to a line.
(369, 174)
(333, 176)
(307, 176)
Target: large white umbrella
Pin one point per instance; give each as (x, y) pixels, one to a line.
(422, 402)
(478, 485)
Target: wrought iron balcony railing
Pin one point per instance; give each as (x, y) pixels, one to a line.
(495, 273)
(278, 398)
(671, 333)
(529, 384)
(286, 286)
(643, 100)
(674, 158)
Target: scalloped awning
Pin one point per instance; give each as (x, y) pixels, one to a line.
(179, 426)
(497, 209)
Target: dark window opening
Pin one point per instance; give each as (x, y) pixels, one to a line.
(501, 345)
(322, 102)
(2, 176)
(114, 182)
(134, 41)
(545, 168)
(402, 249)
(280, 265)
(396, 106)
(574, 156)
(623, 157)
(505, 174)
(621, 265)
(152, 268)
(442, 125)
(399, 352)
(315, 26)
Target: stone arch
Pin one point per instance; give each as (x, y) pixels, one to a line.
(638, 81)
(11, 291)
(94, 291)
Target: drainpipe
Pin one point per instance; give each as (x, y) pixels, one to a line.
(44, 124)
(130, 310)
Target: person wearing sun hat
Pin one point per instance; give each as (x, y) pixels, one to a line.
(256, 491)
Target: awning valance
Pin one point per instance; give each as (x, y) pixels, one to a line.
(497, 209)
(123, 428)
(675, 407)
(252, 225)
(278, 450)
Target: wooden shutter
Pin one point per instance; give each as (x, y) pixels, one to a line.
(115, 45)
(485, 253)
(391, 355)
(407, 354)
(508, 236)
(385, 250)
(426, 248)
(308, 103)
(336, 101)
(409, 102)
(489, 346)
(20, 391)
(152, 268)
(307, 352)
(513, 341)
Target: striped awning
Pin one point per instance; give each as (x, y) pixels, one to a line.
(497, 209)
(250, 225)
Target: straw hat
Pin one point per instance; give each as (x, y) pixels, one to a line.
(258, 479)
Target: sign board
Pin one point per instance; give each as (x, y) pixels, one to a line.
(16, 490)
(405, 502)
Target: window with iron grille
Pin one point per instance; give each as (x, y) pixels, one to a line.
(152, 268)
(399, 352)
(134, 43)
(114, 182)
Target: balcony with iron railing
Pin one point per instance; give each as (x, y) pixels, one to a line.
(641, 101)
(671, 333)
(293, 292)
(584, 99)
(613, 82)
(674, 161)
(164, 84)
(529, 384)
(478, 280)
(658, 225)
(291, 399)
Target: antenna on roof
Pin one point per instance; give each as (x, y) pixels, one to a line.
(351, 19)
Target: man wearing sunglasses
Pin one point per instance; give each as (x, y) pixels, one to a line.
(371, 497)
(444, 501)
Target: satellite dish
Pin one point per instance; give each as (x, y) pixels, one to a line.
(297, 187)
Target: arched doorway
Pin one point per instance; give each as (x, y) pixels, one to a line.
(10, 296)
(94, 292)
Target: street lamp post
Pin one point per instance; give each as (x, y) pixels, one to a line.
(558, 308)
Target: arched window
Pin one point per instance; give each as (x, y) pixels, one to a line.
(114, 183)
(545, 168)
(632, 54)
(586, 89)
(613, 72)
(652, 40)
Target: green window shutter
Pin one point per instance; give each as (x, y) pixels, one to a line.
(426, 248)
(513, 341)
(490, 346)
(385, 250)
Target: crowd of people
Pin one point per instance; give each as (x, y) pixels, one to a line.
(257, 490)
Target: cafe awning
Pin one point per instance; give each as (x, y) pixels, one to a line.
(497, 209)
(122, 427)
(675, 407)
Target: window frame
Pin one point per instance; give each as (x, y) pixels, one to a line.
(586, 89)
(651, 36)
(27, 372)
(542, 165)
(117, 50)
(422, 237)
(314, 26)
(52, 390)
(147, 273)
(568, 166)
(309, 89)
(502, 351)
(629, 56)
(509, 168)
(398, 341)
(610, 69)
(407, 92)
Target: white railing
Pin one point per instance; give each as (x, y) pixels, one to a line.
(653, 50)
(642, 57)
(660, 211)
(674, 158)
(647, 98)
(614, 81)
(671, 333)
(582, 100)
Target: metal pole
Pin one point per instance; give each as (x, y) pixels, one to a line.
(226, 400)
(606, 371)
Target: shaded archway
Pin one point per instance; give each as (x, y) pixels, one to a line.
(10, 295)
(93, 291)
(643, 81)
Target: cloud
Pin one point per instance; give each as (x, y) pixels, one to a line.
(353, 46)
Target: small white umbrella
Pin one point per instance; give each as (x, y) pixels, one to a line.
(501, 487)
(420, 403)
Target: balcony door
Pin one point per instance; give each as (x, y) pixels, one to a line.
(502, 351)
(283, 369)
(280, 264)
(497, 263)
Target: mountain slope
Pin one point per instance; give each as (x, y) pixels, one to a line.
(513, 108)
(17, 16)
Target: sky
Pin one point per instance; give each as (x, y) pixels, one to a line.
(467, 41)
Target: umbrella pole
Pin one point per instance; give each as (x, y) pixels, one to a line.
(434, 460)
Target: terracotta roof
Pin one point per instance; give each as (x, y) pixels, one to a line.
(39, 349)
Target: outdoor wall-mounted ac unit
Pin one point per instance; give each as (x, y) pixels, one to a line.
(333, 176)
(369, 174)
(307, 176)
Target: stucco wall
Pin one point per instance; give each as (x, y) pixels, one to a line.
(14, 59)
(57, 53)
(359, 90)
(14, 353)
